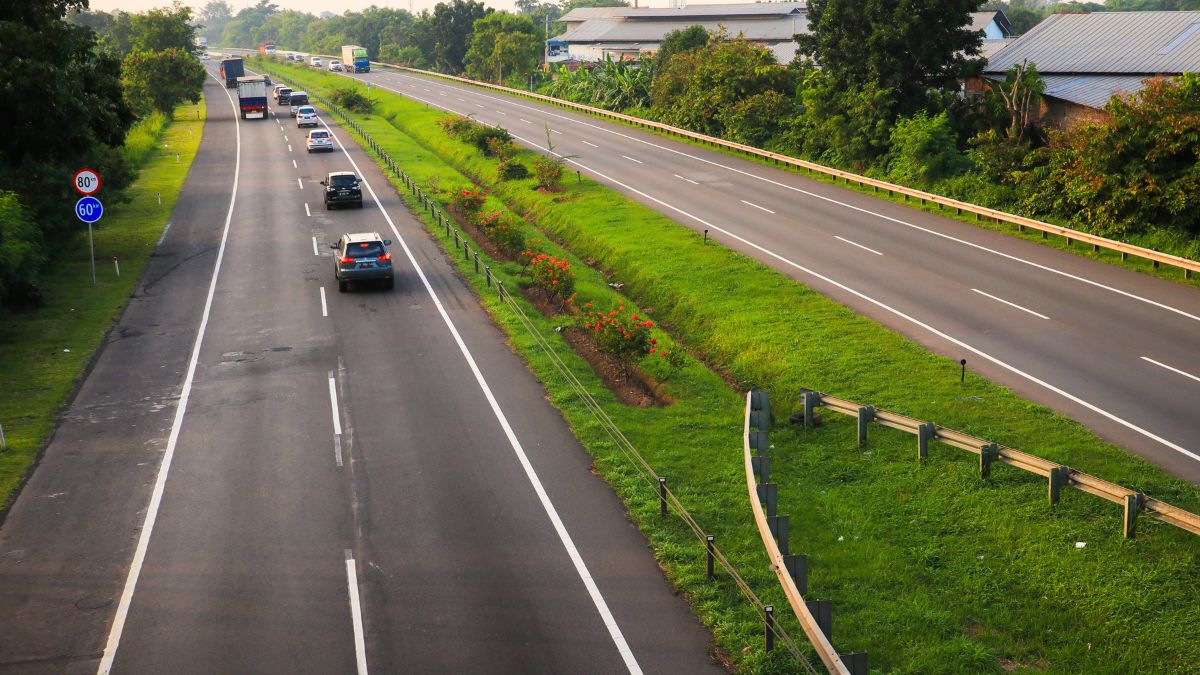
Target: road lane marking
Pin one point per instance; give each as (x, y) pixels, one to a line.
(891, 310)
(289, 147)
(502, 113)
(461, 99)
(591, 144)
(285, 137)
(632, 159)
(164, 234)
(360, 643)
(556, 131)
(337, 421)
(760, 208)
(164, 468)
(855, 243)
(524, 120)
(1011, 304)
(308, 213)
(324, 307)
(687, 179)
(294, 165)
(1175, 370)
(337, 450)
(581, 569)
(298, 182)
(478, 105)
(315, 251)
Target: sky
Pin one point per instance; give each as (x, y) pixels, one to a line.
(336, 6)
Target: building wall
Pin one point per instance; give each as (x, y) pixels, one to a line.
(993, 32)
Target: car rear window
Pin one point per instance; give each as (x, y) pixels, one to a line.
(298, 99)
(308, 110)
(319, 134)
(365, 249)
(343, 181)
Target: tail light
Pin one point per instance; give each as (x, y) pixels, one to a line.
(386, 256)
(346, 260)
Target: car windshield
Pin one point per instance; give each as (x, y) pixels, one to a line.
(365, 249)
(343, 181)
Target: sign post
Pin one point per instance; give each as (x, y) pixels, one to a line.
(88, 209)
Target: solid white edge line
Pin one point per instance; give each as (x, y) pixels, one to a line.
(360, 642)
(831, 200)
(564, 537)
(892, 310)
(337, 418)
(855, 243)
(1170, 368)
(324, 307)
(1011, 304)
(163, 237)
(636, 160)
(308, 213)
(164, 468)
(760, 208)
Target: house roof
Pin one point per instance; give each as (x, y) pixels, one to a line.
(989, 48)
(981, 20)
(1107, 43)
(585, 13)
(1093, 91)
(763, 9)
(616, 30)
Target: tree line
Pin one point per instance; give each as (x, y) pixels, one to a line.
(74, 84)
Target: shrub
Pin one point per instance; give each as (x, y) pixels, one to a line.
(924, 150)
(624, 336)
(482, 137)
(549, 172)
(511, 169)
(458, 127)
(553, 275)
(532, 250)
(507, 236)
(501, 149)
(351, 99)
(468, 201)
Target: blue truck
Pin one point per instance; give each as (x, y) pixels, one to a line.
(252, 97)
(231, 70)
(355, 57)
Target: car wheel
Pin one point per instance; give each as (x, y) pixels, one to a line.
(343, 285)
(360, 205)
(389, 284)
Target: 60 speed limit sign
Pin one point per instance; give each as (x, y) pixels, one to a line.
(86, 181)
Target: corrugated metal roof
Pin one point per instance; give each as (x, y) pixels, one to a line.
(1093, 91)
(615, 30)
(989, 48)
(585, 13)
(714, 10)
(1108, 43)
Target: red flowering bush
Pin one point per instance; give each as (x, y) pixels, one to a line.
(625, 336)
(532, 249)
(469, 201)
(506, 234)
(552, 274)
(486, 221)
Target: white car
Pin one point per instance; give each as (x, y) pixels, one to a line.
(335, 66)
(205, 57)
(306, 116)
(316, 62)
(319, 140)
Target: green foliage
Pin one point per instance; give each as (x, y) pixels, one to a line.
(613, 85)
(909, 48)
(161, 80)
(503, 44)
(155, 30)
(1011, 104)
(468, 201)
(450, 27)
(21, 251)
(619, 333)
(845, 127)
(512, 169)
(351, 98)
(758, 118)
(549, 173)
(409, 55)
(489, 139)
(552, 275)
(504, 231)
(924, 150)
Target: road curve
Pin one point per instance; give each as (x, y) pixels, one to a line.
(1114, 349)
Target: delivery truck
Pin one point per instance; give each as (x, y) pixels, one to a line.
(252, 97)
(354, 59)
(231, 70)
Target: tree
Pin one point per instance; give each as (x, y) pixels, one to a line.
(924, 150)
(911, 48)
(503, 44)
(213, 18)
(161, 80)
(451, 26)
(677, 42)
(21, 251)
(1018, 96)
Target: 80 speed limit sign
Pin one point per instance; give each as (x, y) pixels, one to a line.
(86, 181)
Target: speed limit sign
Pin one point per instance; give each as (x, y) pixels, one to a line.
(86, 181)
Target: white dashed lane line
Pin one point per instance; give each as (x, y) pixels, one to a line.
(632, 159)
(687, 179)
(591, 144)
(1170, 368)
(760, 208)
(308, 213)
(300, 184)
(324, 306)
(855, 243)
(295, 165)
(1011, 304)
(315, 251)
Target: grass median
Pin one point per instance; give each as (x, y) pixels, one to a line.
(45, 351)
(930, 568)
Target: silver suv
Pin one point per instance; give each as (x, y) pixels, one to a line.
(362, 257)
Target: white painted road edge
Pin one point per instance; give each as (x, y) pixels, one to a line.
(139, 554)
(360, 642)
(581, 568)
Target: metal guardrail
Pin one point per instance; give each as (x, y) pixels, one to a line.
(1125, 249)
(668, 501)
(1057, 475)
(791, 570)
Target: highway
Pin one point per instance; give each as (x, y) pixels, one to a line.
(263, 475)
(1117, 350)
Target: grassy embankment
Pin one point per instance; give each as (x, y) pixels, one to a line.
(930, 568)
(44, 351)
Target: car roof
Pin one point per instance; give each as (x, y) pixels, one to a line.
(362, 236)
(341, 173)
(300, 92)
(317, 131)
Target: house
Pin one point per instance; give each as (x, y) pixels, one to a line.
(1086, 59)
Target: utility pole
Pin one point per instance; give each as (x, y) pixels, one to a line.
(546, 44)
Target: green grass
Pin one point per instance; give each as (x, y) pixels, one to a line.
(45, 351)
(931, 569)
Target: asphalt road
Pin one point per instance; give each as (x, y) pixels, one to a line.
(262, 474)
(1114, 349)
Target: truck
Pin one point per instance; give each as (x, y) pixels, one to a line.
(231, 70)
(252, 97)
(354, 59)
(267, 49)
(200, 42)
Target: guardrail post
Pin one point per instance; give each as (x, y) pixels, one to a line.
(759, 400)
(487, 274)
(769, 626)
(856, 663)
(711, 551)
(811, 400)
(987, 454)
(822, 611)
(866, 413)
(780, 527)
(476, 262)
(797, 566)
(925, 433)
(1057, 478)
(762, 467)
(1133, 506)
(466, 249)
(662, 497)
(768, 494)
(500, 288)
(760, 419)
